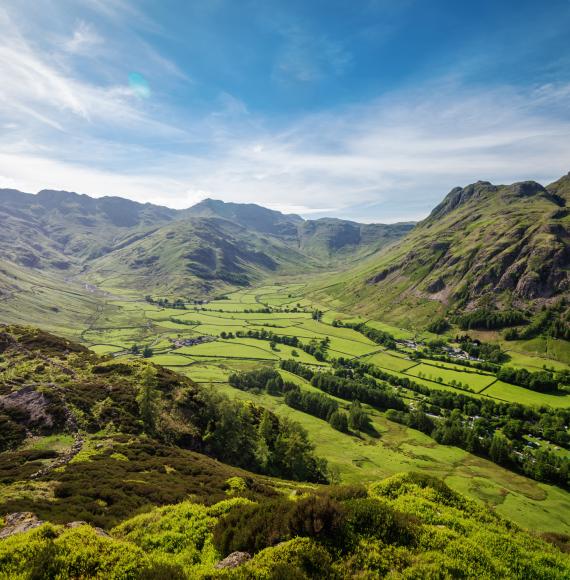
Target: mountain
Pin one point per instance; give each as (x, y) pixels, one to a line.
(249, 215)
(337, 240)
(484, 246)
(197, 256)
(331, 240)
(207, 248)
(59, 229)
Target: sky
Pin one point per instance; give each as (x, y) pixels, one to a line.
(369, 110)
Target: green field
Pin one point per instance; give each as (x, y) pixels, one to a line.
(113, 325)
(398, 449)
(475, 381)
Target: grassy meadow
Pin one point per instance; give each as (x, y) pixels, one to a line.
(112, 323)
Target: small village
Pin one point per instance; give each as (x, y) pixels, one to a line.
(191, 341)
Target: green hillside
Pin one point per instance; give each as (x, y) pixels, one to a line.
(408, 526)
(88, 441)
(198, 252)
(484, 247)
(223, 373)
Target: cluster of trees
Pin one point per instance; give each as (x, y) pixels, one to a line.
(488, 319)
(494, 430)
(541, 381)
(165, 303)
(184, 321)
(439, 326)
(375, 335)
(552, 321)
(492, 353)
(317, 315)
(364, 389)
(146, 351)
(316, 404)
(316, 348)
(250, 437)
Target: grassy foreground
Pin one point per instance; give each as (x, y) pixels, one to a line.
(408, 526)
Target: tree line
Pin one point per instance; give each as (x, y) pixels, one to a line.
(494, 430)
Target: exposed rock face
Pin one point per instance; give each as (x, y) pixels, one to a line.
(436, 286)
(18, 523)
(234, 560)
(35, 406)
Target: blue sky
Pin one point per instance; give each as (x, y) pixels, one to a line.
(369, 110)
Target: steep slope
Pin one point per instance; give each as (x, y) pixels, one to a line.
(198, 256)
(59, 229)
(249, 215)
(484, 246)
(407, 526)
(205, 249)
(107, 437)
(330, 240)
(337, 240)
(129, 447)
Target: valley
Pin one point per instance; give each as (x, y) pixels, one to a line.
(236, 328)
(284, 308)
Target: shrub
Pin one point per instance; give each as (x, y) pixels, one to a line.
(299, 558)
(251, 528)
(374, 519)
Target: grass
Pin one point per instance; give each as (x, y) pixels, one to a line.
(475, 381)
(515, 394)
(364, 459)
(118, 322)
(388, 361)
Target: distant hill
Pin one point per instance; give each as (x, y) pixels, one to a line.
(206, 248)
(484, 246)
(249, 215)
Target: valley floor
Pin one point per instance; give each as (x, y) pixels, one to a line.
(111, 321)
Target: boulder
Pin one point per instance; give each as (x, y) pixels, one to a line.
(18, 523)
(234, 560)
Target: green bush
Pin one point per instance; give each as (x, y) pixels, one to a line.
(251, 528)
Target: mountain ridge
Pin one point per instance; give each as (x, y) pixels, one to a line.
(58, 231)
(484, 246)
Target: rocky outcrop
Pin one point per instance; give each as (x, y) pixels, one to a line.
(436, 286)
(234, 560)
(19, 522)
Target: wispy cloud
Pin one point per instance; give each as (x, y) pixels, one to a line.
(83, 40)
(387, 159)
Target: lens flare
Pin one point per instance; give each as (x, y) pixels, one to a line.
(139, 85)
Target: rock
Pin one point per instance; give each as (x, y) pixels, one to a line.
(436, 286)
(18, 523)
(234, 560)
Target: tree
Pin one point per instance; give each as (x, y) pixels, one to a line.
(500, 449)
(147, 352)
(147, 399)
(339, 421)
(358, 419)
(135, 349)
(317, 315)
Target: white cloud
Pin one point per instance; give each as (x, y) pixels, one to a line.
(387, 160)
(83, 40)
